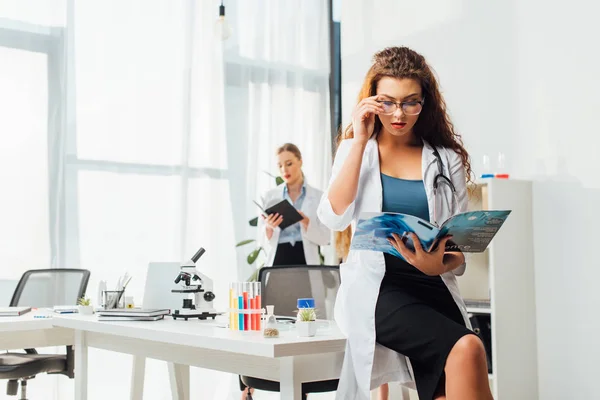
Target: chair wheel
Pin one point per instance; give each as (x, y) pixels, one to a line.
(12, 387)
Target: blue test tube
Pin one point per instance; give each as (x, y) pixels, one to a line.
(241, 306)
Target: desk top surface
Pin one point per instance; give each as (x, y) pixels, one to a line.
(211, 335)
(26, 322)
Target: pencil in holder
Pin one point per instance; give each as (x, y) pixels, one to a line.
(113, 299)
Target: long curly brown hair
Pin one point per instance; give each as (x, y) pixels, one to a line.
(434, 124)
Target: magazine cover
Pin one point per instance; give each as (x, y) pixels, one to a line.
(471, 231)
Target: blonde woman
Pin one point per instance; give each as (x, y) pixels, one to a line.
(299, 243)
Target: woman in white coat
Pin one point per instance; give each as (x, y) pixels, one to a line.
(404, 318)
(297, 244)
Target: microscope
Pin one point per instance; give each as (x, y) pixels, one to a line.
(197, 289)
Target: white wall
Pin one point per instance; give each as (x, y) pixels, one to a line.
(519, 77)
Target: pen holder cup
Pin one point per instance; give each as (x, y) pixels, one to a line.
(113, 299)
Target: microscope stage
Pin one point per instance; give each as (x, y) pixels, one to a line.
(187, 314)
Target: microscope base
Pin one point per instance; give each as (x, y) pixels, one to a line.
(199, 315)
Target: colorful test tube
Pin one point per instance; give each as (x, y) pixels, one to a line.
(236, 320)
(251, 305)
(246, 307)
(231, 285)
(241, 307)
(257, 305)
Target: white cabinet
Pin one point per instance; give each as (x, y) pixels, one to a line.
(504, 275)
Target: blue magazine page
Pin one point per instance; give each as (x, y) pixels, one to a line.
(373, 229)
(473, 231)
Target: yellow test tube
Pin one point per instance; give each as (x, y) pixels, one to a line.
(231, 305)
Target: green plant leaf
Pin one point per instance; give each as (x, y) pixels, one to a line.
(253, 256)
(253, 221)
(254, 276)
(245, 242)
(278, 180)
(84, 301)
(307, 314)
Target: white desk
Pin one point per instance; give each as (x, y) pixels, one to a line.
(29, 332)
(289, 359)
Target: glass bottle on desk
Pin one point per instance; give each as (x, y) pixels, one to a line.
(501, 171)
(271, 330)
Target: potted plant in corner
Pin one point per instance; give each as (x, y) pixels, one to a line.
(306, 323)
(84, 306)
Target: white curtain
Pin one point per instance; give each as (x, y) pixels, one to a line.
(128, 136)
(277, 91)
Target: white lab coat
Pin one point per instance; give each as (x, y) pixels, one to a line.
(367, 365)
(316, 235)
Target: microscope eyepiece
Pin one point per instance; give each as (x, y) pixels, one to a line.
(198, 254)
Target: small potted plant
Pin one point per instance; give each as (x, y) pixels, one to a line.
(306, 324)
(84, 306)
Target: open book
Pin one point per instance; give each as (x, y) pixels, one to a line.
(471, 231)
(285, 209)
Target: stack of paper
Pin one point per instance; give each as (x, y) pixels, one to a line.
(65, 309)
(132, 314)
(13, 311)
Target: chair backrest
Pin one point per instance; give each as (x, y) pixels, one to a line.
(282, 286)
(50, 287)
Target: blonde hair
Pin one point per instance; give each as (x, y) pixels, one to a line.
(292, 148)
(343, 238)
(342, 243)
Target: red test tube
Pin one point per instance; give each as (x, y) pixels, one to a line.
(257, 305)
(245, 300)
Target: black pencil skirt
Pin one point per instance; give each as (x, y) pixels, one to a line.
(286, 254)
(417, 317)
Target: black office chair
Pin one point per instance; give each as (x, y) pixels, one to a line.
(282, 286)
(42, 288)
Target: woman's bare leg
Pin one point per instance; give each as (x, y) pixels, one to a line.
(383, 393)
(466, 371)
(245, 393)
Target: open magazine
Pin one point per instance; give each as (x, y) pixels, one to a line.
(471, 231)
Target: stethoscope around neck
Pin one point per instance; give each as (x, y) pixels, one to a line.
(440, 180)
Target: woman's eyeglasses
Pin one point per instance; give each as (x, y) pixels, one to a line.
(408, 107)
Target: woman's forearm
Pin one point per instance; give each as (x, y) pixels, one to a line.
(453, 260)
(345, 186)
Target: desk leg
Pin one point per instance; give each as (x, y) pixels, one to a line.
(290, 386)
(179, 375)
(81, 365)
(138, 373)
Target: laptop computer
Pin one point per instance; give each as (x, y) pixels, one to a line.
(160, 279)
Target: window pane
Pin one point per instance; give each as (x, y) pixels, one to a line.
(42, 12)
(130, 82)
(210, 225)
(24, 231)
(125, 222)
(290, 34)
